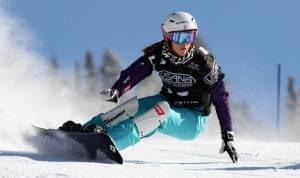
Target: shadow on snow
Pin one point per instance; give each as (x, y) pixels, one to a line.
(48, 157)
(244, 168)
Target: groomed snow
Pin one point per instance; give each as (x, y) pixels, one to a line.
(162, 156)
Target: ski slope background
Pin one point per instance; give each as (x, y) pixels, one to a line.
(29, 97)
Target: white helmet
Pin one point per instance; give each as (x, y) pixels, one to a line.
(178, 21)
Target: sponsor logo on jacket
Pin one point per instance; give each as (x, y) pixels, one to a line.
(193, 66)
(177, 79)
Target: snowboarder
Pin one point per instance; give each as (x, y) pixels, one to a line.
(192, 81)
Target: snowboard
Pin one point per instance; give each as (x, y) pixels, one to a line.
(98, 146)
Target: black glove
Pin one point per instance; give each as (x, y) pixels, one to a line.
(228, 145)
(111, 95)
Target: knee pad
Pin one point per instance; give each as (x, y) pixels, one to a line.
(121, 112)
(152, 119)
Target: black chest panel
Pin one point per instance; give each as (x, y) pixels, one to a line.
(188, 84)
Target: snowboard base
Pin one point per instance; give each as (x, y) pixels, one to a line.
(98, 146)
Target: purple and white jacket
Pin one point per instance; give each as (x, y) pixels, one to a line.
(194, 81)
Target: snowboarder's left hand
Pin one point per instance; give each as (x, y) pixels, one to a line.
(228, 145)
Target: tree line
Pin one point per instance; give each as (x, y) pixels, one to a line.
(292, 120)
(89, 78)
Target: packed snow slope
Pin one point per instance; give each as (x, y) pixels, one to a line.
(29, 97)
(161, 156)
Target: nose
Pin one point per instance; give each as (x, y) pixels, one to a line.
(186, 45)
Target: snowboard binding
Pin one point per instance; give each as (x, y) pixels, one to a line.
(71, 126)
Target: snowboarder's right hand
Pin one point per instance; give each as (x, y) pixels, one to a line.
(111, 95)
(228, 145)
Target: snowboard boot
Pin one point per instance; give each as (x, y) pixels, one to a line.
(71, 126)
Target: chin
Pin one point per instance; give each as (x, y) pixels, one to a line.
(183, 54)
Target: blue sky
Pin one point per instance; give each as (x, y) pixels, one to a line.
(248, 38)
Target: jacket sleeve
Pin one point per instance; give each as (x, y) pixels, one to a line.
(220, 99)
(136, 72)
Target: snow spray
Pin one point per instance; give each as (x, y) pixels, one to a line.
(28, 96)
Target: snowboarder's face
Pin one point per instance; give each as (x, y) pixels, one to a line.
(181, 49)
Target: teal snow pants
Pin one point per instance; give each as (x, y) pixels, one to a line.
(182, 123)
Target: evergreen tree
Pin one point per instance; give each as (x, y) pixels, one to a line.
(293, 118)
(78, 74)
(201, 42)
(292, 102)
(110, 68)
(91, 74)
(54, 67)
